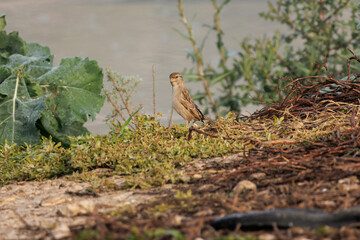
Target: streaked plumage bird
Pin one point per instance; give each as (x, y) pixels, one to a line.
(182, 101)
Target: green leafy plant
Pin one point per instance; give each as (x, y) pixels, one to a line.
(320, 32)
(39, 99)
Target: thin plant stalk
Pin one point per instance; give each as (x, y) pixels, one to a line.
(221, 46)
(14, 105)
(197, 54)
(153, 77)
(171, 114)
(220, 43)
(125, 103)
(119, 98)
(118, 111)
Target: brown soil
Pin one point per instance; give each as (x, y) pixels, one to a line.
(281, 179)
(326, 183)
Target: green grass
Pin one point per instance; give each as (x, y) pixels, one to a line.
(152, 154)
(148, 156)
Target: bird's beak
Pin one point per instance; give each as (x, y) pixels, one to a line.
(172, 80)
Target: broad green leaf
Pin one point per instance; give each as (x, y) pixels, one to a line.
(3, 40)
(17, 60)
(5, 72)
(36, 50)
(10, 44)
(20, 127)
(63, 97)
(75, 93)
(18, 112)
(49, 127)
(34, 66)
(2, 22)
(15, 44)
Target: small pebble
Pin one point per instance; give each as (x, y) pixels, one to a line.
(245, 185)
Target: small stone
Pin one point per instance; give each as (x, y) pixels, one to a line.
(118, 181)
(78, 223)
(258, 175)
(264, 195)
(167, 186)
(77, 208)
(328, 203)
(61, 231)
(267, 236)
(7, 200)
(303, 184)
(297, 125)
(53, 201)
(197, 176)
(349, 184)
(185, 178)
(207, 187)
(352, 179)
(76, 188)
(301, 238)
(122, 196)
(177, 220)
(298, 230)
(203, 213)
(245, 185)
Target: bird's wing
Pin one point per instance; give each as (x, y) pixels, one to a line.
(189, 104)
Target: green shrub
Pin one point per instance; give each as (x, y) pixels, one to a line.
(320, 31)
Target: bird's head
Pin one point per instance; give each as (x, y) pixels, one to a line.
(176, 78)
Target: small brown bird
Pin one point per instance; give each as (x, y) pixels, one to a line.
(182, 101)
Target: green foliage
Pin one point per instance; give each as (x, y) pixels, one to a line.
(148, 156)
(319, 33)
(27, 162)
(18, 111)
(39, 99)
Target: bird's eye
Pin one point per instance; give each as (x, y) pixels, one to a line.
(177, 77)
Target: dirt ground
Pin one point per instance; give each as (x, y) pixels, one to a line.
(262, 179)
